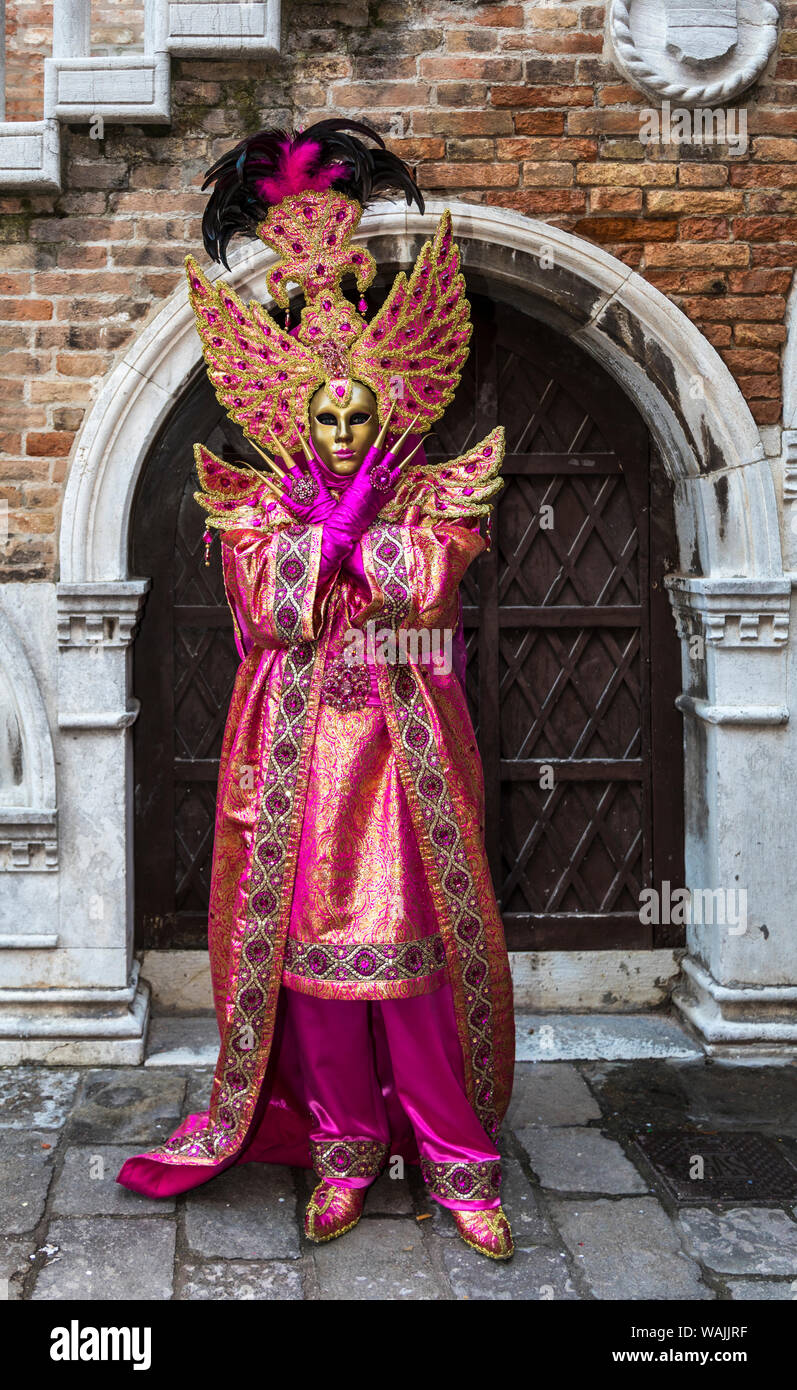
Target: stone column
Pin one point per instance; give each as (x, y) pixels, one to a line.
(739, 979)
(85, 1002)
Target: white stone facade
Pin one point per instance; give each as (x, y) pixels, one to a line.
(69, 987)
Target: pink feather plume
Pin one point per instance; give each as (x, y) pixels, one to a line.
(296, 175)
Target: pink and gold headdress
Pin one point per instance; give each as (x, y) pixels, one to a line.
(303, 196)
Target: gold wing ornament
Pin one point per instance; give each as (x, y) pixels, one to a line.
(234, 497)
(460, 489)
(262, 376)
(414, 349)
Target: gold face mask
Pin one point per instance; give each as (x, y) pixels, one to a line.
(343, 434)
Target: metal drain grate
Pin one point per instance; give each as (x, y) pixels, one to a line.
(735, 1167)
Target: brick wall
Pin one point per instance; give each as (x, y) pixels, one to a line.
(510, 104)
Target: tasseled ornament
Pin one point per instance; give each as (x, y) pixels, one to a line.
(363, 304)
(208, 539)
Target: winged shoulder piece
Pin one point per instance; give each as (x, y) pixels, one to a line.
(262, 375)
(234, 497)
(462, 487)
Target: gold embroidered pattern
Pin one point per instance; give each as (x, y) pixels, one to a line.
(365, 962)
(463, 1181)
(348, 1158)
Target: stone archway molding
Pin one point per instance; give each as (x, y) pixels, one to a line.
(691, 402)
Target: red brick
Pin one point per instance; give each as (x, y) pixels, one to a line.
(543, 203)
(541, 96)
(704, 228)
(397, 96)
(752, 360)
(686, 281)
(440, 68)
(621, 95)
(760, 281)
(499, 16)
(81, 364)
(49, 445)
(36, 310)
(489, 175)
(528, 148)
(539, 123)
(765, 228)
(759, 334)
(604, 229)
(728, 307)
(567, 43)
(615, 199)
(466, 123)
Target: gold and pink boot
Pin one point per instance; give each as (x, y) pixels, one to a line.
(488, 1232)
(332, 1211)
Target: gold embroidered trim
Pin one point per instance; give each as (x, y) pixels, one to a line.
(463, 1181)
(347, 1158)
(365, 962)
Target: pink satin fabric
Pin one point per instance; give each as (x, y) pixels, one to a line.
(345, 1098)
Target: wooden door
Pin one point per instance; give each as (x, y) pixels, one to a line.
(573, 661)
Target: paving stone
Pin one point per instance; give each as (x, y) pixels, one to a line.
(763, 1097)
(197, 1093)
(36, 1097)
(379, 1260)
(87, 1185)
(580, 1160)
(183, 1041)
(14, 1265)
(26, 1167)
(636, 1094)
(742, 1240)
(628, 1249)
(572, 1037)
(550, 1093)
(389, 1197)
(239, 1280)
(114, 1106)
(761, 1290)
(519, 1200)
(104, 1258)
(248, 1212)
(533, 1274)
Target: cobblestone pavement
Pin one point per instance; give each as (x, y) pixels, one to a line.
(591, 1219)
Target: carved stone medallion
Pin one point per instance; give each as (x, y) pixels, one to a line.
(698, 52)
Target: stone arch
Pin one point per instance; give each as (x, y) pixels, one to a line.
(694, 408)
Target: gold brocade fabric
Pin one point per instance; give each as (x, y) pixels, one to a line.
(363, 878)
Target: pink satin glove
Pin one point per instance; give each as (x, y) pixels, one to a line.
(374, 484)
(354, 569)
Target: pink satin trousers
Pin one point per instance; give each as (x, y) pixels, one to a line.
(334, 1040)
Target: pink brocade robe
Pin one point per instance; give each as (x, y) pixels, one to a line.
(349, 856)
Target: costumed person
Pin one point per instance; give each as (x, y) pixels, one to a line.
(360, 972)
